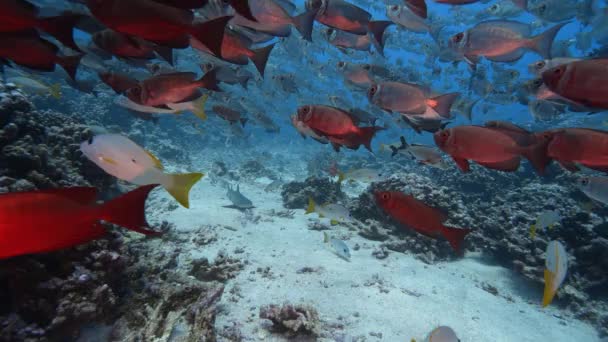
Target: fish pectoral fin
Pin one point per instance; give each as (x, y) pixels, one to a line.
(157, 163)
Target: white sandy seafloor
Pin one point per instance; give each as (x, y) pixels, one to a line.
(399, 297)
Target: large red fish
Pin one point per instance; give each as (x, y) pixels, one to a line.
(337, 126)
(236, 49)
(240, 6)
(125, 46)
(571, 146)
(171, 88)
(120, 83)
(49, 220)
(19, 15)
(426, 220)
(492, 147)
(584, 82)
(158, 23)
(28, 49)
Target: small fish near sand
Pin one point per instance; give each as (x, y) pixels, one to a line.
(239, 201)
(336, 213)
(337, 246)
(556, 266)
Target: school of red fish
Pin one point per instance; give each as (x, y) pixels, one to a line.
(236, 32)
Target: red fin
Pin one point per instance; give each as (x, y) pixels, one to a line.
(128, 210)
(62, 27)
(211, 34)
(260, 57)
(367, 133)
(537, 156)
(377, 29)
(463, 164)
(455, 237)
(70, 64)
(444, 104)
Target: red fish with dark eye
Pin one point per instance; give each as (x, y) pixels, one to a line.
(424, 219)
(236, 50)
(584, 82)
(28, 49)
(19, 15)
(337, 126)
(175, 87)
(159, 23)
(571, 146)
(122, 45)
(494, 148)
(345, 16)
(50, 220)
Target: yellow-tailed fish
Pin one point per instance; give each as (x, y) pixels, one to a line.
(31, 85)
(361, 175)
(556, 266)
(336, 213)
(546, 219)
(124, 159)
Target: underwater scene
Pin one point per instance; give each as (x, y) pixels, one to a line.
(304, 170)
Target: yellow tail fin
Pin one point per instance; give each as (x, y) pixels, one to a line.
(198, 107)
(311, 206)
(533, 231)
(549, 291)
(180, 186)
(55, 90)
(334, 222)
(341, 177)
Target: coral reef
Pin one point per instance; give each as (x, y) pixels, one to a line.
(292, 319)
(322, 190)
(221, 269)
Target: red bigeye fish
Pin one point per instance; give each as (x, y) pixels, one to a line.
(347, 17)
(122, 45)
(337, 126)
(158, 23)
(28, 49)
(494, 148)
(584, 82)
(19, 15)
(171, 88)
(49, 220)
(273, 19)
(571, 146)
(425, 220)
(236, 50)
(502, 41)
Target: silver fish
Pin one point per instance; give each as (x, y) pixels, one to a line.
(338, 246)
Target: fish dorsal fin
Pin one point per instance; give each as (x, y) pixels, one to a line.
(157, 162)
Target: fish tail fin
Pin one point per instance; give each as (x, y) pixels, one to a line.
(537, 156)
(304, 22)
(62, 27)
(260, 57)
(128, 210)
(341, 177)
(211, 33)
(325, 237)
(180, 185)
(367, 133)
(543, 42)
(55, 90)
(455, 237)
(70, 64)
(549, 291)
(532, 231)
(395, 151)
(242, 8)
(165, 53)
(209, 81)
(311, 206)
(443, 104)
(198, 107)
(377, 28)
(404, 143)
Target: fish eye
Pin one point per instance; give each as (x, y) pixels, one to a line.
(458, 38)
(394, 8)
(540, 64)
(386, 196)
(558, 71)
(208, 66)
(133, 160)
(585, 181)
(494, 7)
(445, 134)
(341, 64)
(373, 89)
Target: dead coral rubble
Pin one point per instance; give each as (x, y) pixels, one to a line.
(292, 319)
